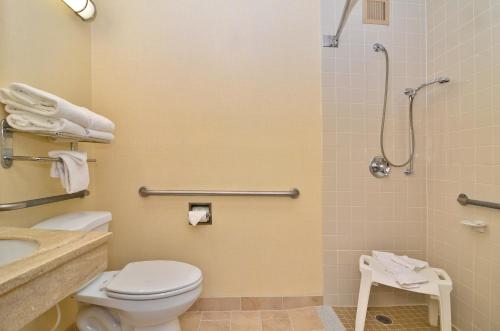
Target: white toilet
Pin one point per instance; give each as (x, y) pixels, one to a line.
(143, 296)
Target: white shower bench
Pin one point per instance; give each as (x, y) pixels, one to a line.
(438, 288)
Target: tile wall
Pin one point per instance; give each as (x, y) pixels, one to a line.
(362, 213)
(463, 126)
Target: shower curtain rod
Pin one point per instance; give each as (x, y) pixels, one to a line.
(333, 40)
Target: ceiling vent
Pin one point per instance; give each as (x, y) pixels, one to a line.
(376, 12)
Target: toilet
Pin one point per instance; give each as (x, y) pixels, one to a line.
(143, 296)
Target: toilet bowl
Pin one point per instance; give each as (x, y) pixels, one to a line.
(143, 296)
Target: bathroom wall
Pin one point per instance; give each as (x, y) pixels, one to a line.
(362, 213)
(213, 95)
(45, 45)
(464, 154)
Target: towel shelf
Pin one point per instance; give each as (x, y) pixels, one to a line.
(42, 201)
(145, 192)
(58, 136)
(7, 156)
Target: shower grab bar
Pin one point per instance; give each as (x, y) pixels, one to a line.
(42, 201)
(464, 200)
(333, 40)
(145, 192)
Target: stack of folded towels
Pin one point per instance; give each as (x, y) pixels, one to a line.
(403, 268)
(31, 109)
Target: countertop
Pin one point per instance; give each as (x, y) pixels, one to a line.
(56, 248)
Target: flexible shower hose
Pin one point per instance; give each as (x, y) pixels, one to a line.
(382, 127)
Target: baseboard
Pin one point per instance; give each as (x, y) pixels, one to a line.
(256, 303)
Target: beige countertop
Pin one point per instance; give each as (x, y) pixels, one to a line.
(56, 248)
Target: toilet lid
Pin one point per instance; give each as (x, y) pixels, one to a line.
(154, 277)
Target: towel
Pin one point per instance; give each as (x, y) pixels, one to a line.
(26, 121)
(72, 169)
(30, 99)
(404, 276)
(408, 262)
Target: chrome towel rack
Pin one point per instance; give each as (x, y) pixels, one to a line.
(7, 149)
(145, 192)
(464, 200)
(42, 201)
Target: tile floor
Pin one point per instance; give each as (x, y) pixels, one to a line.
(303, 319)
(407, 318)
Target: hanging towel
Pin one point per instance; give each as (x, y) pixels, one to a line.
(405, 277)
(30, 99)
(25, 121)
(72, 169)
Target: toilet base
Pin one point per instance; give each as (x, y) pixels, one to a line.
(173, 325)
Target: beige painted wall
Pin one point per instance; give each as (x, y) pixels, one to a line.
(464, 154)
(214, 95)
(45, 45)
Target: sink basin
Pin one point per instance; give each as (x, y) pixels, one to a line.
(14, 249)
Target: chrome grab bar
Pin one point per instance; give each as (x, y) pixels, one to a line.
(145, 192)
(37, 158)
(42, 201)
(464, 200)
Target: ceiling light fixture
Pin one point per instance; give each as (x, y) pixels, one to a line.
(85, 9)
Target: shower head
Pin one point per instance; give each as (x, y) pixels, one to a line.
(442, 80)
(378, 47)
(411, 92)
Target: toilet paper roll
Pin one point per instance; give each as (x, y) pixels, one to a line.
(198, 215)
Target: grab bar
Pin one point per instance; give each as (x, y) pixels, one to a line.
(464, 200)
(145, 192)
(333, 40)
(42, 201)
(37, 158)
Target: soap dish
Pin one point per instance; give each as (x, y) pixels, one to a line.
(478, 226)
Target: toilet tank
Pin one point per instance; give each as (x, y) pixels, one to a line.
(80, 221)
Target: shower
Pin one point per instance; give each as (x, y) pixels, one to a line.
(380, 166)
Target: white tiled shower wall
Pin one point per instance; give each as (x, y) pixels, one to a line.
(458, 145)
(362, 213)
(464, 154)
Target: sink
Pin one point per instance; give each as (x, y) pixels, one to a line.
(15, 249)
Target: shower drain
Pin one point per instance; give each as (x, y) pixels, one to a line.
(383, 319)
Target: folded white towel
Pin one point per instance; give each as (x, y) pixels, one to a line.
(30, 99)
(408, 262)
(22, 120)
(72, 170)
(404, 276)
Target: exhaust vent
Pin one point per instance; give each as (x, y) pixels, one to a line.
(376, 12)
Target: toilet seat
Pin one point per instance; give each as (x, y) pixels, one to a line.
(150, 280)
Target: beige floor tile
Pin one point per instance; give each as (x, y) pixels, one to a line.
(305, 319)
(277, 324)
(245, 321)
(215, 315)
(190, 321)
(214, 326)
(408, 318)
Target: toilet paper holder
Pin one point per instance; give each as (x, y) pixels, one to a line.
(193, 205)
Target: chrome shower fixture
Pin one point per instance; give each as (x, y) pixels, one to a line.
(379, 48)
(411, 92)
(380, 166)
